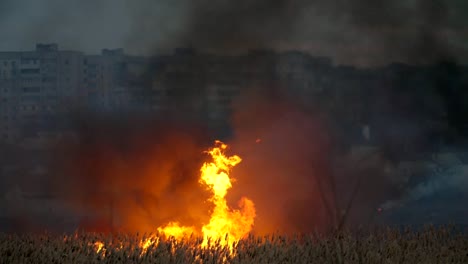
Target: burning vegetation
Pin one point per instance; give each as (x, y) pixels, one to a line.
(225, 225)
(431, 245)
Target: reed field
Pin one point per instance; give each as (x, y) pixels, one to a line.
(429, 245)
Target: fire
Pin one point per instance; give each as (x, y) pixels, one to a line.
(226, 225)
(99, 246)
(146, 243)
(175, 230)
(224, 222)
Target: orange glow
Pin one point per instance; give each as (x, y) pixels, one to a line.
(146, 243)
(224, 222)
(226, 226)
(175, 230)
(99, 247)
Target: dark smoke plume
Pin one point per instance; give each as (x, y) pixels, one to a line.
(359, 32)
(129, 172)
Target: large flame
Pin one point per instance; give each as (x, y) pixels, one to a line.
(224, 222)
(226, 225)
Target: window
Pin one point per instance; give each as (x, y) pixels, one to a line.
(30, 71)
(31, 89)
(49, 79)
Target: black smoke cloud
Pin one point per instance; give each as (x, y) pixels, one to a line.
(358, 32)
(416, 32)
(240, 25)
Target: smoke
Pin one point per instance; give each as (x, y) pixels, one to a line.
(407, 31)
(359, 32)
(440, 179)
(138, 174)
(133, 174)
(286, 166)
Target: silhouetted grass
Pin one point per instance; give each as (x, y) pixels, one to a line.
(430, 245)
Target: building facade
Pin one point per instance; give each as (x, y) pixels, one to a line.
(40, 88)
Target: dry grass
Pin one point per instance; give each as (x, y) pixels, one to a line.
(431, 245)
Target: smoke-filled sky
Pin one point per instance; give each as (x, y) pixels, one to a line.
(360, 32)
(363, 32)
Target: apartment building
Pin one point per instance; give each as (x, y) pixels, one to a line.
(35, 86)
(40, 88)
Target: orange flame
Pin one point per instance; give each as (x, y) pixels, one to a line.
(174, 229)
(99, 246)
(146, 243)
(226, 225)
(224, 222)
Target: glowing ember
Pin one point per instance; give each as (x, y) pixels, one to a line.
(98, 246)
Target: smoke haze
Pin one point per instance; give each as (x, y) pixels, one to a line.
(357, 32)
(138, 174)
(134, 175)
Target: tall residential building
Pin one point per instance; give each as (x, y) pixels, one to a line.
(36, 85)
(38, 89)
